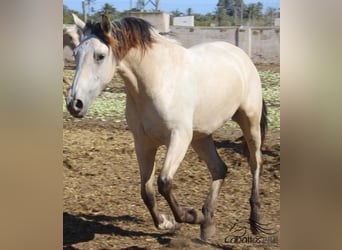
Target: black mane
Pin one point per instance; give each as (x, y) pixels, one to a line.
(126, 33)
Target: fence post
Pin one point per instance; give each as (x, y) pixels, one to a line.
(237, 31)
(84, 11)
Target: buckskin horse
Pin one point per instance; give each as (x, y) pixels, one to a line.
(175, 97)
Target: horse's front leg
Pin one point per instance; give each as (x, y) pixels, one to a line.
(178, 145)
(146, 152)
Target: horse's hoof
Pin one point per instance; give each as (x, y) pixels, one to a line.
(208, 230)
(168, 224)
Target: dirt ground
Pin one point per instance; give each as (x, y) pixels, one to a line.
(102, 204)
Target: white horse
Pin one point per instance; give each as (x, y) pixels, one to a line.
(175, 97)
(72, 35)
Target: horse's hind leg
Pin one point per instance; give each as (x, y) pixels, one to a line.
(205, 148)
(250, 125)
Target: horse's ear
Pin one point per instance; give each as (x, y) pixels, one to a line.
(79, 23)
(106, 26)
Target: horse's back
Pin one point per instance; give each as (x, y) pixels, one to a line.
(222, 61)
(225, 78)
(226, 52)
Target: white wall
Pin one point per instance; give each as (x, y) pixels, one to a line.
(264, 46)
(160, 20)
(187, 21)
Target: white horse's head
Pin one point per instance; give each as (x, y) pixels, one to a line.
(73, 33)
(95, 66)
(100, 51)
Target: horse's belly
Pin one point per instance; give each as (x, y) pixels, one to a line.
(216, 106)
(207, 123)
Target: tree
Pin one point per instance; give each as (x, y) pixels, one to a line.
(222, 13)
(109, 10)
(270, 15)
(254, 11)
(230, 12)
(89, 4)
(176, 13)
(67, 18)
(204, 20)
(66, 10)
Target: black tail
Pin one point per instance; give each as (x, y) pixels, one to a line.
(263, 122)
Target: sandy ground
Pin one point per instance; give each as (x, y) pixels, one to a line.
(102, 204)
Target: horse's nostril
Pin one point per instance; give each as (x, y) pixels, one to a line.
(78, 104)
(75, 107)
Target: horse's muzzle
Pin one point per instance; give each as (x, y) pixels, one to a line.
(75, 107)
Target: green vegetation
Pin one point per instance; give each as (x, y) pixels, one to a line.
(271, 93)
(109, 105)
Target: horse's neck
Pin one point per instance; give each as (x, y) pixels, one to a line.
(150, 70)
(139, 70)
(129, 77)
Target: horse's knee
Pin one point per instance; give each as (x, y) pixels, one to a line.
(164, 186)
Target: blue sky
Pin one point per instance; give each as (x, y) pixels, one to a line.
(198, 6)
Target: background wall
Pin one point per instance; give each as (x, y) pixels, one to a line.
(160, 20)
(263, 44)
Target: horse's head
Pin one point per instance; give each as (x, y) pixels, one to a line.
(73, 33)
(95, 66)
(71, 36)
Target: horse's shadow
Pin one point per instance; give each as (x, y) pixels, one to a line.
(233, 145)
(236, 146)
(82, 228)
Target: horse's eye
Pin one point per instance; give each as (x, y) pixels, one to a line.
(99, 57)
